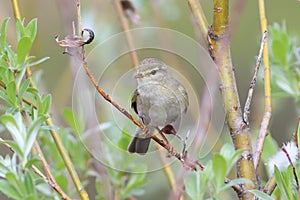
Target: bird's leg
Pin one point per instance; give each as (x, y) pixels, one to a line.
(146, 131)
(170, 130)
(171, 148)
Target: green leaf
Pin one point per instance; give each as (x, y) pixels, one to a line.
(11, 92)
(9, 190)
(29, 185)
(15, 147)
(231, 155)
(235, 182)
(3, 168)
(31, 162)
(219, 169)
(62, 181)
(23, 87)
(270, 148)
(12, 179)
(124, 140)
(283, 183)
(73, 121)
(31, 135)
(33, 91)
(20, 29)
(261, 195)
(23, 48)
(38, 61)
(11, 57)
(31, 29)
(4, 97)
(135, 181)
(193, 185)
(46, 104)
(3, 33)
(279, 48)
(15, 126)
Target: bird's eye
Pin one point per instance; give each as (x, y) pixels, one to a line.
(153, 72)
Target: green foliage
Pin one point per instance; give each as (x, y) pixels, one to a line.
(285, 183)
(210, 181)
(285, 60)
(261, 195)
(22, 122)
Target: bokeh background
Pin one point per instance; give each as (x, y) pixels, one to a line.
(59, 75)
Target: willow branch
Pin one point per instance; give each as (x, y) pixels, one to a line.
(270, 185)
(267, 87)
(199, 17)
(63, 152)
(125, 27)
(246, 113)
(54, 185)
(50, 178)
(240, 133)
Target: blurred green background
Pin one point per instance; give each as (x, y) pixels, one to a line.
(55, 17)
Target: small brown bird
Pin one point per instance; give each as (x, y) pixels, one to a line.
(159, 101)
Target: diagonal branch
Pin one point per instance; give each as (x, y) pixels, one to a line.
(246, 113)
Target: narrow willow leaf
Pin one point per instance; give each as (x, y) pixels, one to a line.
(23, 48)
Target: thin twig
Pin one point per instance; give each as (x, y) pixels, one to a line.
(45, 165)
(199, 17)
(270, 185)
(79, 21)
(53, 184)
(236, 188)
(267, 84)
(246, 113)
(125, 27)
(292, 164)
(50, 178)
(63, 152)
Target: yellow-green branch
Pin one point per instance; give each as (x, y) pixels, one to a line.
(240, 133)
(200, 18)
(263, 132)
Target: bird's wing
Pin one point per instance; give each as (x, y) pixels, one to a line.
(133, 101)
(184, 95)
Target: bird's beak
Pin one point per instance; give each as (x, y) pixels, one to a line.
(139, 75)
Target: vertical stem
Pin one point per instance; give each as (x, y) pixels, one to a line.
(200, 18)
(240, 133)
(125, 27)
(267, 86)
(16, 9)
